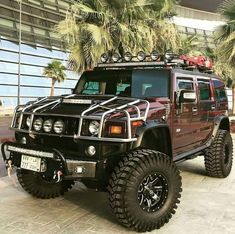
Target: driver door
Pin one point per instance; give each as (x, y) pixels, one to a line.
(185, 118)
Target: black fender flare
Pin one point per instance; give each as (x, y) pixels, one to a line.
(153, 125)
(220, 122)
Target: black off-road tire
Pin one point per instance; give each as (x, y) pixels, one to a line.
(219, 156)
(34, 184)
(130, 178)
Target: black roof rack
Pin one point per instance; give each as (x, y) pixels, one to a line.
(151, 64)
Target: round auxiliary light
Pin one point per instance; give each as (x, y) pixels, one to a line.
(91, 150)
(141, 56)
(154, 55)
(59, 126)
(128, 56)
(28, 121)
(23, 140)
(94, 127)
(37, 124)
(104, 58)
(47, 125)
(169, 56)
(115, 57)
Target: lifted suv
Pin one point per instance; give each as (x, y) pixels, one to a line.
(121, 131)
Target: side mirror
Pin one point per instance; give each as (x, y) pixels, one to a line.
(187, 96)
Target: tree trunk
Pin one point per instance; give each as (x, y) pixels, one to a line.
(53, 81)
(233, 90)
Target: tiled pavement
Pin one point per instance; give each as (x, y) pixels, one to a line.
(207, 207)
(5, 133)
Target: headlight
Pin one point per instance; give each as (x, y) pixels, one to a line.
(47, 126)
(28, 121)
(94, 128)
(59, 126)
(37, 124)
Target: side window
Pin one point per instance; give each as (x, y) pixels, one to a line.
(123, 89)
(184, 83)
(220, 93)
(204, 90)
(91, 88)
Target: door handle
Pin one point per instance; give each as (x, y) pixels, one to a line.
(194, 109)
(213, 107)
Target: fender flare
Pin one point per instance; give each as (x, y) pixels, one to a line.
(217, 124)
(153, 125)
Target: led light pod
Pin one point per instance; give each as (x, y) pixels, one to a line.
(47, 125)
(37, 124)
(59, 126)
(115, 57)
(169, 56)
(141, 56)
(128, 56)
(104, 58)
(154, 55)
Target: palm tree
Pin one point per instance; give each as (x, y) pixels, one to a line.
(190, 45)
(226, 33)
(226, 40)
(56, 72)
(92, 27)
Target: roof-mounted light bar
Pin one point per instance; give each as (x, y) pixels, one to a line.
(140, 57)
(169, 59)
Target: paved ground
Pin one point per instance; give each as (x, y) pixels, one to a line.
(5, 133)
(207, 207)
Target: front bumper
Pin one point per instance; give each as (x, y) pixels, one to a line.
(55, 160)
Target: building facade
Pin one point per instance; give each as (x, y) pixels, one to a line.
(40, 44)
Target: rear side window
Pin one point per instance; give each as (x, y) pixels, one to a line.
(220, 93)
(204, 90)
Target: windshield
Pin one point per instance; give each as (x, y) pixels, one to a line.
(127, 83)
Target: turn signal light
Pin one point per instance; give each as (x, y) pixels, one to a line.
(137, 123)
(116, 130)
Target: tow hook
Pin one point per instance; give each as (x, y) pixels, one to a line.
(57, 176)
(9, 167)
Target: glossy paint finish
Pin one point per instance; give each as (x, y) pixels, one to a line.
(191, 124)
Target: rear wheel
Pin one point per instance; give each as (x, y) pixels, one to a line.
(144, 190)
(219, 156)
(42, 187)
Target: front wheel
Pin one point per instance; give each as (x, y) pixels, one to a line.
(144, 190)
(38, 186)
(219, 156)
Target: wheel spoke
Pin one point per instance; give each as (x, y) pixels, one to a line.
(152, 192)
(157, 188)
(149, 201)
(141, 199)
(146, 181)
(154, 181)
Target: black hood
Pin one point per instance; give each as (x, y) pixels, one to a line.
(71, 105)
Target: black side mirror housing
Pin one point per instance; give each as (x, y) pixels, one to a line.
(187, 96)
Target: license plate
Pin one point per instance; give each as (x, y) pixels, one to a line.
(30, 163)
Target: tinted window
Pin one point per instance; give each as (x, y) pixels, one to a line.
(136, 83)
(185, 84)
(150, 83)
(220, 93)
(204, 90)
